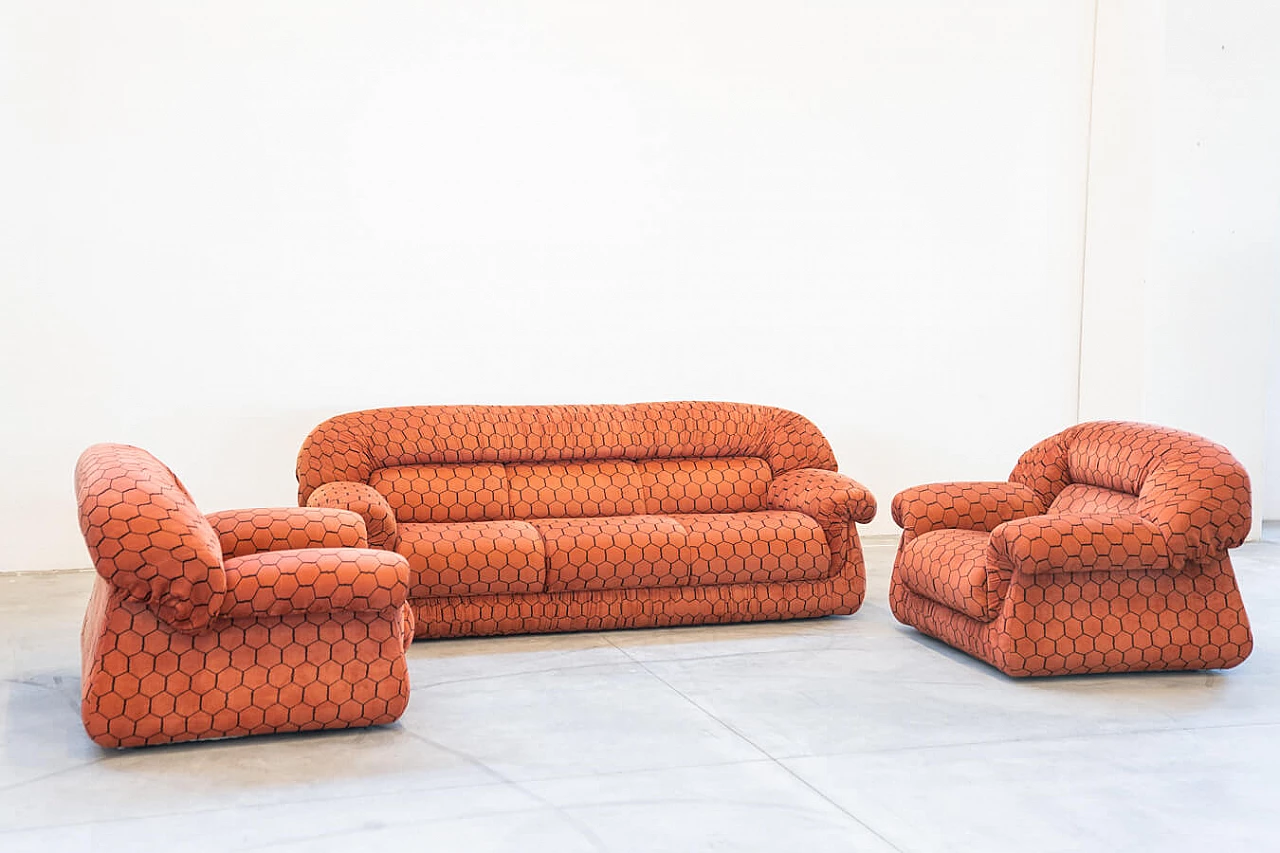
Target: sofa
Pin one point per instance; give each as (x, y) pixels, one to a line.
(525, 519)
(1106, 551)
(235, 623)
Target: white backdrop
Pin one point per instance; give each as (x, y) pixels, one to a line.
(1182, 283)
(228, 222)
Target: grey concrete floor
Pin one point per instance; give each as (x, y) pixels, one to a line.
(850, 733)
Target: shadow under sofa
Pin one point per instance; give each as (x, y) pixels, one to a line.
(534, 519)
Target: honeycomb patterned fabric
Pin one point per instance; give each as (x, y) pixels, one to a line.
(1106, 552)
(525, 519)
(237, 623)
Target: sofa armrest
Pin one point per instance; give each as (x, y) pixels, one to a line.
(248, 531)
(379, 518)
(314, 580)
(962, 506)
(825, 496)
(1079, 543)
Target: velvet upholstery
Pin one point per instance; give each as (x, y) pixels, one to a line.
(561, 518)
(1105, 552)
(237, 623)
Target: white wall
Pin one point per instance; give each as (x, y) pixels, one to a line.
(1182, 276)
(1269, 491)
(224, 222)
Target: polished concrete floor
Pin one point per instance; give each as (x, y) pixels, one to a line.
(835, 734)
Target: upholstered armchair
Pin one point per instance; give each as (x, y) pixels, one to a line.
(1105, 552)
(236, 623)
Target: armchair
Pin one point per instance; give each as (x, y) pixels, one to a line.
(1105, 552)
(236, 623)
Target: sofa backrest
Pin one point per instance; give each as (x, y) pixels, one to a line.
(470, 463)
(491, 491)
(1193, 489)
(1080, 498)
(146, 536)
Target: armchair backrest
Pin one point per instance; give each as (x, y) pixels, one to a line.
(470, 463)
(1194, 490)
(146, 535)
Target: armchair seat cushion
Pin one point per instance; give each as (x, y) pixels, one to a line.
(473, 558)
(951, 567)
(755, 547)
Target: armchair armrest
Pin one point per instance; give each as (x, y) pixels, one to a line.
(1079, 543)
(379, 518)
(248, 531)
(962, 506)
(314, 580)
(826, 496)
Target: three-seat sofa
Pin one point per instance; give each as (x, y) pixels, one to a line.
(526, 519)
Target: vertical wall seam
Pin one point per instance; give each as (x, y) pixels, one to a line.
(1084, 231)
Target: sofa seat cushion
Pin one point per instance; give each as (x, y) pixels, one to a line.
(951, 568)
(473, 558)
(615, 552)
(755, 547)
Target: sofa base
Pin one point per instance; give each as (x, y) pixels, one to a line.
(144, 683)
(649, 607)
(1098, 622)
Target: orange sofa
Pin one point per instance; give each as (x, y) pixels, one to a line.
(523, 519)
(236, 623)
(1105, 552)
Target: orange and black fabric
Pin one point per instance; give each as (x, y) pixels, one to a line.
(755, 547)
(249, 531)
(365, 501)
(523, 519)
(472, 558)
(237, 623)
(1106, 552)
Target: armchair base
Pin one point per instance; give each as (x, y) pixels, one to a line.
(1094, 622)
(144, 683)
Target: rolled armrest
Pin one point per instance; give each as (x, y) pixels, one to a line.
(962, 506)
(314, 580)
(826, 496)
(379, 519)
(248, 531)
(1079, 543)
